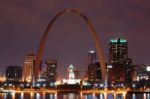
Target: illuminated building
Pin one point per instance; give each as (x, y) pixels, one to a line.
(94, 70)
(71, 72)
(13, 73)
(118, 57)
(71, 76)
(118, 51)
(148, 71)
(141, 72)
(51, 73)
(28, 67)
(2, 78)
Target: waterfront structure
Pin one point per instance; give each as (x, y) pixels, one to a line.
(51, 71)
(29, 61)
(94, 35)
(121, 70)
(13, 73)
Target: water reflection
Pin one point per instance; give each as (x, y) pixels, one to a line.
(109, 96)
(43, 95)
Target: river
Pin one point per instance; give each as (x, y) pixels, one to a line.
(71, 96)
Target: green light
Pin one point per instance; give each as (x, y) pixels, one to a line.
(118, 40)
(113, 40)
(123, 40)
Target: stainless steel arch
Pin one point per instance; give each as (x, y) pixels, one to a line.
(94, 34)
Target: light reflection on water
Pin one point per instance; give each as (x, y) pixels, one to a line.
(71, 96)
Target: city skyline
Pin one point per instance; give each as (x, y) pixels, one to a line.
(23, 23)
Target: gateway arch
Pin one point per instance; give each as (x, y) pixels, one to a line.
(40, 51)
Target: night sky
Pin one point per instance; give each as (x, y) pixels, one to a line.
(22, 23)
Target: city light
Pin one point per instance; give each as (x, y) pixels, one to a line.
(116, 76)
(148, 68)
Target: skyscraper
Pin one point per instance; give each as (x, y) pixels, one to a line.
(92, 57)
(51, 73)
(118, 51)
(94, 72)
(13, 73)
(28, 67)
(118, 57)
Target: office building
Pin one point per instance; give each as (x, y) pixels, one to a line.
(51, 73)
(92, 57)
(94, 70)
(28, 67)
(121, 70)
(13, 73)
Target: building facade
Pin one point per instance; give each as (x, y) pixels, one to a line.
(94, 70)
(13, 73)
(121, 70)
(92, 57)
(29, 62)
(51, 73)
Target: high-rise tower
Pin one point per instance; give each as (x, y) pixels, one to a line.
(91, 56)
(28, 67)
(51, 73)
(118, 57)
(94, 70)
(118, 51)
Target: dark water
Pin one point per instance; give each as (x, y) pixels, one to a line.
(71, 96)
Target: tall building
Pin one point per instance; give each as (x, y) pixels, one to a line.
(51, 73)
(94, 70)
(92, 57)
(118, 57)
(13, 73)
(118, 51)
(28, 67)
